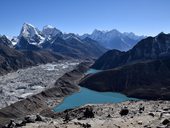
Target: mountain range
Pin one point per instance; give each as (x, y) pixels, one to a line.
(52, 39)
(33, 46)
(114, 39)
(147, 49)
(108, 39)
(139, 72)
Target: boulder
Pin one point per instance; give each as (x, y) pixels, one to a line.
(124, 111)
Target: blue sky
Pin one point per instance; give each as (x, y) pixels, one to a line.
(143, 17)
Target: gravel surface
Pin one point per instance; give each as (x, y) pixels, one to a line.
(18, 85)
(141, 114)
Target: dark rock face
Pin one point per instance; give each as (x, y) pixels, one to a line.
(24, 44)
(147, 49)
(107, 59)
(141, 80)
(4, 40)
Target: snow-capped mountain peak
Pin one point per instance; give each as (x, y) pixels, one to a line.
(32, 34)
(133, 35)
(50, 31)
(28, 30)
(114, 39)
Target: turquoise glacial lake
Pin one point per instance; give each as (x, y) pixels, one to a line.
(92, 71)
(87, 96)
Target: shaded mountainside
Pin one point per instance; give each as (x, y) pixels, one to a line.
(147, 49)
(75, 48)
(24, 44)
(47, 99)
(12, 59)
(146, 80)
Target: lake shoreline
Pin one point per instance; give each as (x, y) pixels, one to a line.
(87, 96)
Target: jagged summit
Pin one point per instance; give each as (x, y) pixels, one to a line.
(32, 34)
(50, 31)
(28, 30)
(5, 41)
(48, 26)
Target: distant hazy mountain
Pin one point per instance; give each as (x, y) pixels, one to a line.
(114, 39)
(146, 49)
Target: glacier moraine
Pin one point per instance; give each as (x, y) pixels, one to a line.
(23, 83)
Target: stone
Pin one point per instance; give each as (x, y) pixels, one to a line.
(140, 122)
(151, 114)
(12, 124)
(141, 108)
(67, 117)
(30, 119)
(109, 116)
(165, 122)
(86, 125)
(124, 111)
(89, 113)
(39, 118)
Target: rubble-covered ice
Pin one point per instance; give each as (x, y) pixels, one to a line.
(25, 82)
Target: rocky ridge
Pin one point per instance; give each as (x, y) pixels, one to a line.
(150, 48)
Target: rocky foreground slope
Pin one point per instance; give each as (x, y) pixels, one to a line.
(130, 114)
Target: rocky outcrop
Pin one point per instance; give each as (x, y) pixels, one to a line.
(44, 101)
(141, 80)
